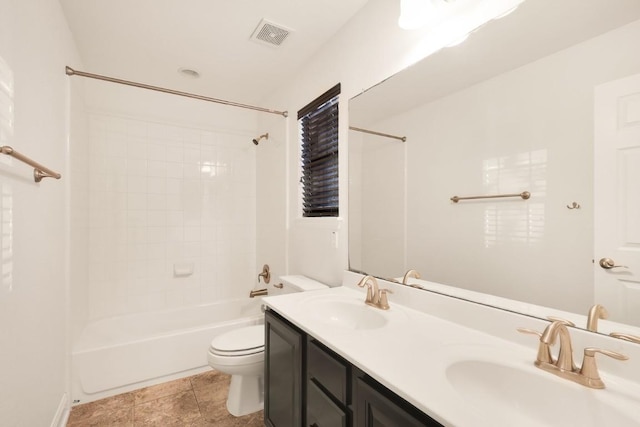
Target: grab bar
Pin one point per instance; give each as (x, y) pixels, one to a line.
(39, 171)
(525, 195)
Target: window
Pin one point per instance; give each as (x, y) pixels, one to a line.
(319, 136)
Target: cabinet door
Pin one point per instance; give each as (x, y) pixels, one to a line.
(283, 373)
(321, 410)
(372, 408)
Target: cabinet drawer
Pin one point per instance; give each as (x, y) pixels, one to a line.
(328, 371)
(321, 411)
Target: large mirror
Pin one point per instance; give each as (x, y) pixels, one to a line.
(521, 106)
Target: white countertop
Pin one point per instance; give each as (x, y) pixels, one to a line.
(412, 352)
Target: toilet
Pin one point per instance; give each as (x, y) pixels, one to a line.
(240, 353)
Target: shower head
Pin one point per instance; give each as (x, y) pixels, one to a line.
(258, 139)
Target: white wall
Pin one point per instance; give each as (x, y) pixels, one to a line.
(35, 44)
(172, 187)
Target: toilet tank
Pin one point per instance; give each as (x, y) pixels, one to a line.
(295, 283)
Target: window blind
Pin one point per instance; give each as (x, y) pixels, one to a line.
(319, 138)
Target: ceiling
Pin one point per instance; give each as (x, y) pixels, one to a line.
(149, 40)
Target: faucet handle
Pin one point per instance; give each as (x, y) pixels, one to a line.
(266, 274)
(529, 331)
(626, 337)
(591, 351)
(589, 369)
(544, 352)
(383, 301)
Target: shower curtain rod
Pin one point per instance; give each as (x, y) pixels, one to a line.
(71, 72)
(373, 132)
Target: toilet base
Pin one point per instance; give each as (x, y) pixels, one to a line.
(246, 395)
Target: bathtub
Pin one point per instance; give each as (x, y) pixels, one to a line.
(116, 352)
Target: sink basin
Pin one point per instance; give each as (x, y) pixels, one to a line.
(344, 313)
(544, 399)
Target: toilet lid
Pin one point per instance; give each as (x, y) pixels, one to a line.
(249, 338)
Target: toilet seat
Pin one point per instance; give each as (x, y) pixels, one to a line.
(239, 342)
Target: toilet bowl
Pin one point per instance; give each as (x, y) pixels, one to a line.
(240, 353)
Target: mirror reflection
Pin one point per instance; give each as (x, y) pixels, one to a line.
(545, 100)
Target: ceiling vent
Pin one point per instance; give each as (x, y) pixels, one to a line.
(270, 33)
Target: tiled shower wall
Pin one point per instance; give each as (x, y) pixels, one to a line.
(172, 215)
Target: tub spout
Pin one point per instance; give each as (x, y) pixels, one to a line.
(258, 292)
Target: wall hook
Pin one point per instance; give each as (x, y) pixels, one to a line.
(573, 205)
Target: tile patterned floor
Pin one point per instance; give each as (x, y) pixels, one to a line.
(196, 401)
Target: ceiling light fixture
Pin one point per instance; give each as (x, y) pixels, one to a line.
(414, 14)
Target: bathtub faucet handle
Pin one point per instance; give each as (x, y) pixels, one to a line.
(266, 274)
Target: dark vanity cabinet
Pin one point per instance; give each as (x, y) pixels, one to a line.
(309, 385)
(283, 361)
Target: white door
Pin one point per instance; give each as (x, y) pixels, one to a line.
(617, 199)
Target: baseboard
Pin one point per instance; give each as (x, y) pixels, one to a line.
(62, 414)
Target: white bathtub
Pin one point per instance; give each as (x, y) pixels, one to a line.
(116, 352)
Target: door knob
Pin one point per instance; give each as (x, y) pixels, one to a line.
(608, 264)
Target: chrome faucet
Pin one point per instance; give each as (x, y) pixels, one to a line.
(373, 294)
(375, 297)
(564, 367)
(565, 354)
(596, 312)
(409, 274)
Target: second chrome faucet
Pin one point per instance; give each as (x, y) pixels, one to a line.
(564, 367)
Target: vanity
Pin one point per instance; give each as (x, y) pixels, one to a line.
(429, 360)
(326, 389)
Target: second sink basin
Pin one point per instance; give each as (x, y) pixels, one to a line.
(539, 396)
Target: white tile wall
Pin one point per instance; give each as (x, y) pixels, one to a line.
(78, 211)
(165, 195)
